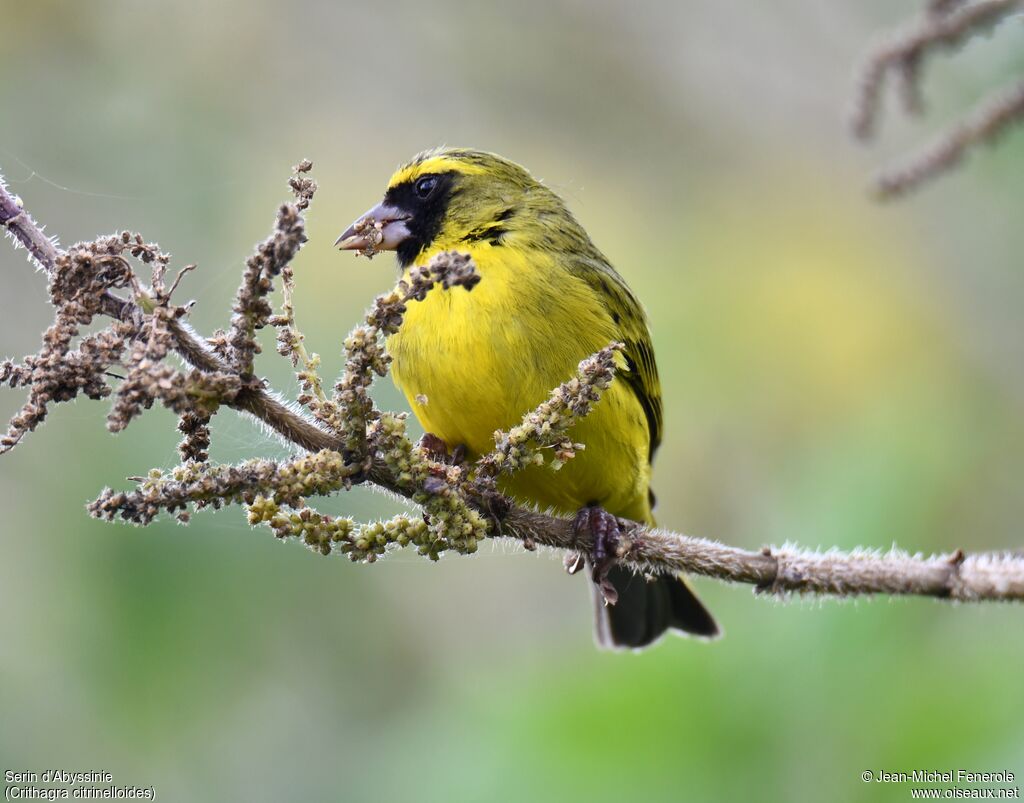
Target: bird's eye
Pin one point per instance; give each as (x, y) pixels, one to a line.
(425, 186)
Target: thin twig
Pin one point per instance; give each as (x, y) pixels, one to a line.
(942, 25)
(939, 27)
(982, 126)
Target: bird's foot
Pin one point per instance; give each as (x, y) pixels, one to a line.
(496, 507)
(492, 504)
(437, 450)
(604, 528)
(574, 561)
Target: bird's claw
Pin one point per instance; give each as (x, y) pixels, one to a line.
(604, 528)
(437, 450)
(496, 507)
(573, 562)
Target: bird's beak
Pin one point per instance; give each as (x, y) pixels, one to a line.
(382, 228)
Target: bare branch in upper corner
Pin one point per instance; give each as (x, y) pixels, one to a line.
(900, 55)
(347, 440)
(982, 126)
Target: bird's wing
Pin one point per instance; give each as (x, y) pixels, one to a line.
(641, 373)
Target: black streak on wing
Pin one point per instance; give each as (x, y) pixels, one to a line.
(651, 408)
(491, 233)
(622, 307)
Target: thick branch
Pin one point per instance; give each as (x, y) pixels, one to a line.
(984, 576)
(980, 577)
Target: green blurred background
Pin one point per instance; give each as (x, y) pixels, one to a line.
(836, 373)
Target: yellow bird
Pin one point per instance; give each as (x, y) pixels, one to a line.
(473, 363)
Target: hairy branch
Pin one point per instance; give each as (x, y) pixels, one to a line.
(983, 125)
(942, 25)
(348, 440)
(196, 352)
(984, 576)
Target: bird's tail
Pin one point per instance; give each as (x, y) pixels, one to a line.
(645, 610)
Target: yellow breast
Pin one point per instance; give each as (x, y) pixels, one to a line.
(471, 363)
